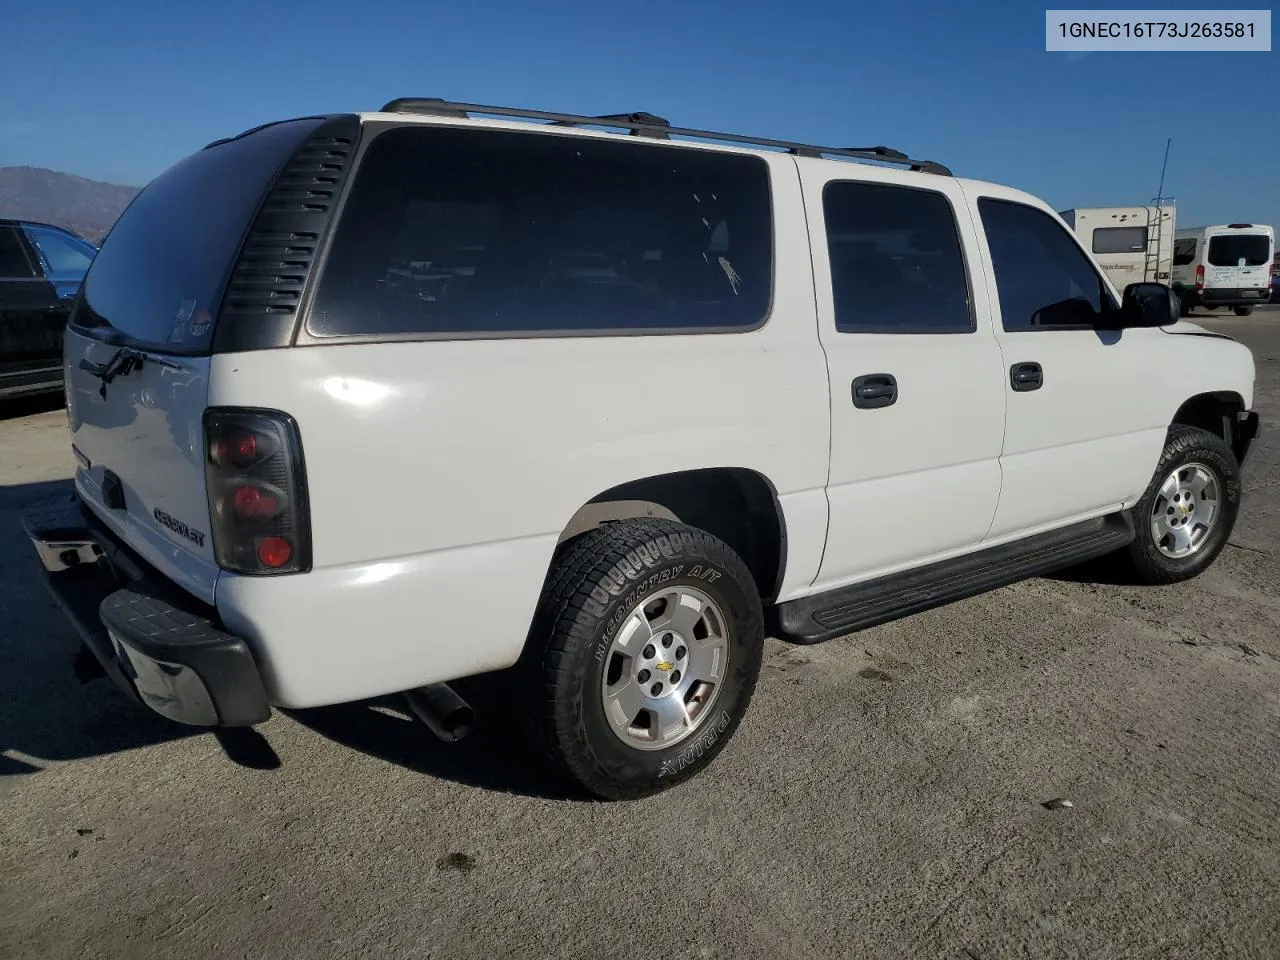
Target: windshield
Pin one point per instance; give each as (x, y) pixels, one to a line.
(1228, 250)
(159, 276)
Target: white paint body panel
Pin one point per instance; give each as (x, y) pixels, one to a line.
(148, 431)
(441, 474)
(1086, 442)
(935, 452)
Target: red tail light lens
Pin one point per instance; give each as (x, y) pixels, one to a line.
(274, 552)
(1200, 277)
(257, 490)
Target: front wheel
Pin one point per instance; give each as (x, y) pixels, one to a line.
(1243, 311)
(643, 657)
(1186, 516)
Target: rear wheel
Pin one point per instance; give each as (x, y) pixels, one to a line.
(1243, 311)
(1186, 516)
(643, 656)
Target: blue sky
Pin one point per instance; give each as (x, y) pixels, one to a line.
(119, 90)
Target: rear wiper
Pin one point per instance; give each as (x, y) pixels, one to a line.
(122, 363)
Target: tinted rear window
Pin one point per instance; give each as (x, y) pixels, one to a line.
(479, 232)
(1227, 251)
(160, 273)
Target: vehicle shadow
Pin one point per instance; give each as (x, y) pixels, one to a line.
(49, 714)
(495, 756)
(46, 712)
(18, 407)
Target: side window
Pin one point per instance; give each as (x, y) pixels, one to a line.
(451, 232)
(14, 264)
(896, 261)
(1119, 239)
(1044, 279)
(1184, 251)
(65, 258)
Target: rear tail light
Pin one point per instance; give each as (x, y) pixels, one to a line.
(1200, 277)
(257, 488)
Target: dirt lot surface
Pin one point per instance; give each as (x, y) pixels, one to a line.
(882, 798)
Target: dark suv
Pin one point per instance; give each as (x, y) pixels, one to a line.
(41, 267)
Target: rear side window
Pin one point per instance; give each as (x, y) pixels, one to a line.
(1044, 279)
(1184, 251)
(159, 276)
(896, 262)
(1120, 240)
(1227, 251)
(453, 232)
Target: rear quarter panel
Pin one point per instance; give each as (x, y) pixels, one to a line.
(441, 473)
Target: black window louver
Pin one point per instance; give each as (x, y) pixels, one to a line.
(266, 284)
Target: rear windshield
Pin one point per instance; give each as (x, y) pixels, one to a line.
(1229, 250)
(159, 276)
(452, 232)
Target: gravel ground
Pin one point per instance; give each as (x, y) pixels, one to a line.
(882, 798)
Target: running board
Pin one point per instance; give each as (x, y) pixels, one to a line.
(832, 614)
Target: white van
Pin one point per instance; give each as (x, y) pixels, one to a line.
(1131, 244)
(1224, 266)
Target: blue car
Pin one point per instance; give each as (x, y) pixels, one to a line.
(41, 269)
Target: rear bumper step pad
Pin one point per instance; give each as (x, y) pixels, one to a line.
(161, 647)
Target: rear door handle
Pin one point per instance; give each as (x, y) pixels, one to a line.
(875, 390)
(1026, 376)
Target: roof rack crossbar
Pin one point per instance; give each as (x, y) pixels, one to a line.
(649, 125)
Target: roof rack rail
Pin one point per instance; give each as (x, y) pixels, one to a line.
(648, 125)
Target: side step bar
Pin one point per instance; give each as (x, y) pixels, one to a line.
(829, 615)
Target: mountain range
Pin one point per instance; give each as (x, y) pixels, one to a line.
(86, 207)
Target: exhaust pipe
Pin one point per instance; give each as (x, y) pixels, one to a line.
(445, 713)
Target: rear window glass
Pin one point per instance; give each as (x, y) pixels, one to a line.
(159, 276)
(1120, 239)
(896, 262)
(1184, 251)
(452, 232)
(1227, 251)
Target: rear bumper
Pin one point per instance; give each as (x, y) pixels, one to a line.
(161, 647)
(1230, 297)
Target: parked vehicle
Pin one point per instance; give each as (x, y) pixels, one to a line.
(41, 267)
(1131, 244)
(1224, 266)
(432, 394)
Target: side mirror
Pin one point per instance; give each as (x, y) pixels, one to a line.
(1149, 305)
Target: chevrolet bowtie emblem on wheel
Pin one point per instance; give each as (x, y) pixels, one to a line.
(665, 666)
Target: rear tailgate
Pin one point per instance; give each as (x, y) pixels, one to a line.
(137, 351)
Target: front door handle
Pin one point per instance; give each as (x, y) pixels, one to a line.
(1026, 376)
(874, 390)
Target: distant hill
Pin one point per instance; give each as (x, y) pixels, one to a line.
(86, 207)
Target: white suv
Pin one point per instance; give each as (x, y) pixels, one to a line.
(363, 404)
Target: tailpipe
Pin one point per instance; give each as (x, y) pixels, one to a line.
(445, 713)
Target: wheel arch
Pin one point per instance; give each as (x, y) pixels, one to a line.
(1221, 412)
(735, 504)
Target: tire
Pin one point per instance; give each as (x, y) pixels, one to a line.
(1193, 453)
(601, 585)
(1243, 311)
(1184, 308)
